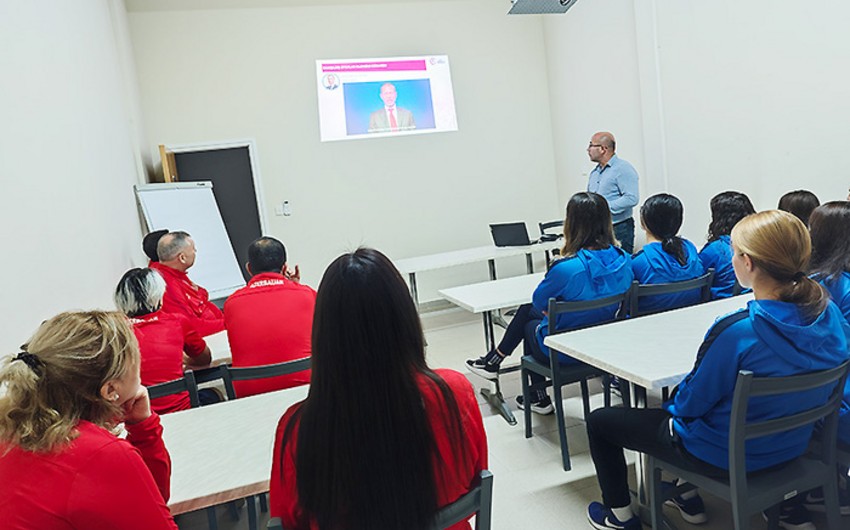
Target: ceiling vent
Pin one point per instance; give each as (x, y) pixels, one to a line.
(540, 7)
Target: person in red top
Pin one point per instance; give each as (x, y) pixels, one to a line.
(269, 321)
(167, 341)
(61, 466)
(176, 252)
(382, 441)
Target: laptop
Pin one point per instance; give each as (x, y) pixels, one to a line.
(510, 235)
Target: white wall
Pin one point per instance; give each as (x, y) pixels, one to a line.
(67, 162)
(211, 75)
(722, 95)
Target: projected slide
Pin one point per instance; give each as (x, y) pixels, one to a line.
(375, 98)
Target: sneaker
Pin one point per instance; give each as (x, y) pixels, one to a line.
(814, 501)
(794, 517)
(542, 406)
(692, 509)
(600, 516)
(486, 366)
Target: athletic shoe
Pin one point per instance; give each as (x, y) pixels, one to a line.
(814, 501)
(794, 517)
(542, 406)
(486, 366)
(600, 516)
(692, 510)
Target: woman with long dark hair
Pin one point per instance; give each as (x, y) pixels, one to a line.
(800, 203)
(727, 209)
(790, 328)
(592, 266)
(382, 441)
(665, 257)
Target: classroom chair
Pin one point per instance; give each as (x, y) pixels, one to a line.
(231, 374)
(763, 491)
(703, 283)
(478, 501)
(558, 374)
(550, 231)
(186, 383)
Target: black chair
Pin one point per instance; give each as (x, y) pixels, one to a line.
(559, 375)
(478, 501)
(763, 491)
(703, 283)
(186, 383)
(550, 231)
(231, 374)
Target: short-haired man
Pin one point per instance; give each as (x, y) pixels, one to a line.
(617, 181)
(176, 252)
(270, 320)
(390, 118)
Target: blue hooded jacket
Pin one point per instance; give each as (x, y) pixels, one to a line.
(718, 254)
(839, 289)
(773, 340)
(653, 265)
(588, 275)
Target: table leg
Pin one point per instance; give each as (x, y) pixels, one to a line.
(414, 292)
(529, 263)
(495, 398)
(492, 264)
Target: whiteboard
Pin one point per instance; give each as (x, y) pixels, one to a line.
(191, 207)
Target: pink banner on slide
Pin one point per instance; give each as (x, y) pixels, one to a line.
(376, 66)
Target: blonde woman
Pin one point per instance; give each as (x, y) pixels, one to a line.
(61, 465)
(790, 328)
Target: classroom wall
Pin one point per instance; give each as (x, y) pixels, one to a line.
(231, 73)
(67, 162)
(719, 95)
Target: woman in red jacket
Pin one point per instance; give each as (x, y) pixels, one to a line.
(382, 441)
(61, 466)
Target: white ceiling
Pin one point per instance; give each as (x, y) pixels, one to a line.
(185, 5)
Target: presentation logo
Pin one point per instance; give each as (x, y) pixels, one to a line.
(330, 81)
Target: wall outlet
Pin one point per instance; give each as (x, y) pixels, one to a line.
(283, 209)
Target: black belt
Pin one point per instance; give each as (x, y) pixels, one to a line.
(624, 221)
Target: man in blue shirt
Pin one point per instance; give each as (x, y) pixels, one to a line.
(617, 181)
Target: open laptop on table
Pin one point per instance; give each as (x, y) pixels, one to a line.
(510, 235)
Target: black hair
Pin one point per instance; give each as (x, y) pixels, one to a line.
(150, 242)
(830, 231)
(727, 209)
(364, 456)
(139, 292)
(266, 254)
(587, 224)
(800, 203)
(662, 217)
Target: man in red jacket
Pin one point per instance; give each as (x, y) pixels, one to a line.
(176, 252)
(269, 320)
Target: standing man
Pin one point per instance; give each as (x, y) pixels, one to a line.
(176, 252)
(617, 181)
(270, 320)
(390, 118)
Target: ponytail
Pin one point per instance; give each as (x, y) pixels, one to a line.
(675, 246)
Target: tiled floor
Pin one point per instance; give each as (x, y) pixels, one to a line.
(531, 490)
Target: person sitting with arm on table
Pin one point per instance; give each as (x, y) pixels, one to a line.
(176, 252)
(666, 257)
(61, 465)
(591, 267)
(727, 209)
(790, 328)
(168, 343)
(382, 441)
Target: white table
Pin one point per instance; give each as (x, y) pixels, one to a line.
(652, 352)
(487, 298)
(490, 253)
(223, 452)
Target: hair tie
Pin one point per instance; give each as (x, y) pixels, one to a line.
(30, 360)
(799, 275)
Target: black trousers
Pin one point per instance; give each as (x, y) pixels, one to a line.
(611, 430)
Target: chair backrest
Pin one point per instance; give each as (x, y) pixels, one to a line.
(549, 225)
(231, 374)
(478, 501)
(558, 307)
(703, 283)
(186, 383)
(747, 386)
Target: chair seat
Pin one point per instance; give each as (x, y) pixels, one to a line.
(569, 373)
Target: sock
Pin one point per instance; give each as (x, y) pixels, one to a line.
(493, 358)
(623, 514)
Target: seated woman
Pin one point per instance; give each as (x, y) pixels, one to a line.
(800, 203)
(727, 209)
(591, 267)
(382, 441)
(790, 328)
(666, 257)
(61, 466)
(163, 338)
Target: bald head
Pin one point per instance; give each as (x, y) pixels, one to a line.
(605, 138)
(601, 148)
(176, 250)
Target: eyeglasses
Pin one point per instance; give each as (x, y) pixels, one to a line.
(594, 145)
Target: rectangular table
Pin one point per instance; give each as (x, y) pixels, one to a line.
(442, 260)
(487, 298)
(651, 352)
(223, 452)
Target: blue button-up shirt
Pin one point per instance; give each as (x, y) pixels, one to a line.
(617, 181)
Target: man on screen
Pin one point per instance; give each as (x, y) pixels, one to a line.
(390, 118)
